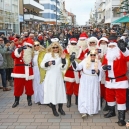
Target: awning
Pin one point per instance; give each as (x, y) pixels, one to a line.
(122, 20)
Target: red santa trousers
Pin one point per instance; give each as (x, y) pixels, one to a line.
(103, 91)
(118, 96)
(19, 84)
(72, 87)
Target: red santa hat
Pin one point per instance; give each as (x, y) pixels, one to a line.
(15, 40)
(29, 42)
(73, 40)
(83, 36)
(103, 39)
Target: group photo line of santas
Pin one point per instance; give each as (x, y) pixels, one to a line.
(91, 69)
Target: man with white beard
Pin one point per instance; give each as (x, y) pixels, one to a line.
(72, 77)
(115, 67)
(103, 45)
(82, 42)
(23, 72)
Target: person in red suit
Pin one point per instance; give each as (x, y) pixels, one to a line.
(115, 67)
(23, 72)
(72, 77)
(82, 42)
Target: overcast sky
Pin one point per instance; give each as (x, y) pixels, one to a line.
(81, 8)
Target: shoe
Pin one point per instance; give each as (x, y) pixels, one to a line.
(106, 108)
(121, 118)
(84, 115)
(39, 103)
(76, 100)
(29, 100)
(6, 89)
(68, 101)
(60, 110)
(16, 103)
(49, 105)
(111, 112)
(1, 87)
(54, 110)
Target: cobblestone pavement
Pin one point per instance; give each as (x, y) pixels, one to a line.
(40, 116)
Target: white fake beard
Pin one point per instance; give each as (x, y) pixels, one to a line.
(74, 48)
(113, 54)
(92, 48)
(27, 55)
(83, 44)
(103, 50)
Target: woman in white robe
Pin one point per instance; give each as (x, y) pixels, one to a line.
(38, 87)
(54, 89)
(89, 89)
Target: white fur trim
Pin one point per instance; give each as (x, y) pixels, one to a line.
(111, 103)
(73, 42)
(15, 75)
(68, 79)
(16, 53)
(82, 38)
(116, 85)
(112, 43)
(126, 53)
(25, 43)
(121, 107)
(76, 77)
(111, 72)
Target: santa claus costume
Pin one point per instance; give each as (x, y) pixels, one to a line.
(82, 42)
(103, 45)
(72, 77)
(89, 88)
(115, 67)
(23, 72)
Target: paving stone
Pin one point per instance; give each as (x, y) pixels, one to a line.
(106, 120)
(25, 120)
(3, 127)
(20, 127)
(65, 127)
(54, 120)
(42, 127)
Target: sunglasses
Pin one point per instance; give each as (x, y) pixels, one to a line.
(54, 47)
(73, 43)
(92, 54)
(92, 42)
(28, 46)
(36, 45)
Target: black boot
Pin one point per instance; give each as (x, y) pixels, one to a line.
(121, 118)
(68, 101)
(76, 100)
(54, 110)
(111, 112)
(60, 110)
(29, 100)
(101, 101)
(16, 102)
(106, 108)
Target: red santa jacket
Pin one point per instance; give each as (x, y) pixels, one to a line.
(21, 70)
(117, 72)
(71, 75)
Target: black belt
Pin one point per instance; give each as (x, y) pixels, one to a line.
(24, 65)
(111, 78)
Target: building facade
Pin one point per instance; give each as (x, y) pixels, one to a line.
(9, 15)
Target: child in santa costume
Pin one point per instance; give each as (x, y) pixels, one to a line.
(23, 72)
(72, 77)
(115, 67)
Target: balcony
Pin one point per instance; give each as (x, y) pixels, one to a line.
(33, 4)
(32, 17)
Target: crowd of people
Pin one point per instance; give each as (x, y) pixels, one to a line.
(51, 66)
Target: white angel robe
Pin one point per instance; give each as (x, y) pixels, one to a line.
(89, 89)
(38, 88)
(54, 88)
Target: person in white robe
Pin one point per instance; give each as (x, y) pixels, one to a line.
(54, 63)
(89, 89)
(38, 87)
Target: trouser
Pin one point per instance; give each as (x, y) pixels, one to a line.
(127, 99)
(103, 91)
(3, 77)
(19, 84)
(8, 74)
(118, 96)
(72, 88)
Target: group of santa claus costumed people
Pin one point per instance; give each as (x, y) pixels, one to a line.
(92, 70)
